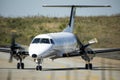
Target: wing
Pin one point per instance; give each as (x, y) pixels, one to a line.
(7, 50)
(20, 50)
(106, 50)
(90, 51)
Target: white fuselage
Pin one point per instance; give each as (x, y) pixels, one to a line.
(52, 44)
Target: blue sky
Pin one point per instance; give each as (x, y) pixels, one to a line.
(20, 8)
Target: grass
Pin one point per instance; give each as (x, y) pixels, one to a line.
(105, 28)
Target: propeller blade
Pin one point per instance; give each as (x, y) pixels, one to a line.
(78, 41)
(12, 47)
(84, 47)
(11, 57)
(93, 41)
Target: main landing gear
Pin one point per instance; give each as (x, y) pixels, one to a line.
(88, 58)
(20, 65)
(88, 66)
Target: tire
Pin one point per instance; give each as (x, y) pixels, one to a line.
(90, 66)
(22, 65)
(38, 67)
(86, 66)
(18, 65)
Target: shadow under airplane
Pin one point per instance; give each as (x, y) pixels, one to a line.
(73, 68)
(77, 68)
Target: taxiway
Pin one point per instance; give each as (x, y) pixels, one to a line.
(60, 69)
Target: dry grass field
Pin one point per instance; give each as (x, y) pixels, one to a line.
(105, 28)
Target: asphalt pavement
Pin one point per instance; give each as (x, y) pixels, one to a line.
(60, 69)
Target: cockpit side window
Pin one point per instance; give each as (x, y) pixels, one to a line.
(45, 40)
(36, 40)
(52, 42)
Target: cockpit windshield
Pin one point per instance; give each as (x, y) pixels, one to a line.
(36, 40)
(43, 41)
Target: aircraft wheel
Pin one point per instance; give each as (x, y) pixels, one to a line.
(38, 67)
(18, 65)
(90, 66)
(22, 65)
(86, 66)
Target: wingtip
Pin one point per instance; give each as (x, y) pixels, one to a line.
(109, 6)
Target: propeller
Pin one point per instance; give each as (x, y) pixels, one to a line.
(15, 48)
(12, 46)
(83, 47)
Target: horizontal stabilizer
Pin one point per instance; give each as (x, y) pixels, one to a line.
(81, 6)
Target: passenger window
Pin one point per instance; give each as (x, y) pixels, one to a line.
(36, 40)
(45, 40)
(52, 42)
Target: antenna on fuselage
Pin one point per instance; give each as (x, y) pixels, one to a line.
(70, 26)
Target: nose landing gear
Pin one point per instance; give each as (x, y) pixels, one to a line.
(39, 62)
(39, 67)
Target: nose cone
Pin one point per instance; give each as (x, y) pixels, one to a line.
(34, 56)
(39, 50)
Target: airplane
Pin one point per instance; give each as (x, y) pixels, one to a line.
(62, 44)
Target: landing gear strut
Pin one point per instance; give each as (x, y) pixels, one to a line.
(88, 58)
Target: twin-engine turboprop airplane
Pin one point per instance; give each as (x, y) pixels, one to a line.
(62, 44)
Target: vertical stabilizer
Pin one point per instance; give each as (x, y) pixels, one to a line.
(70, 26)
